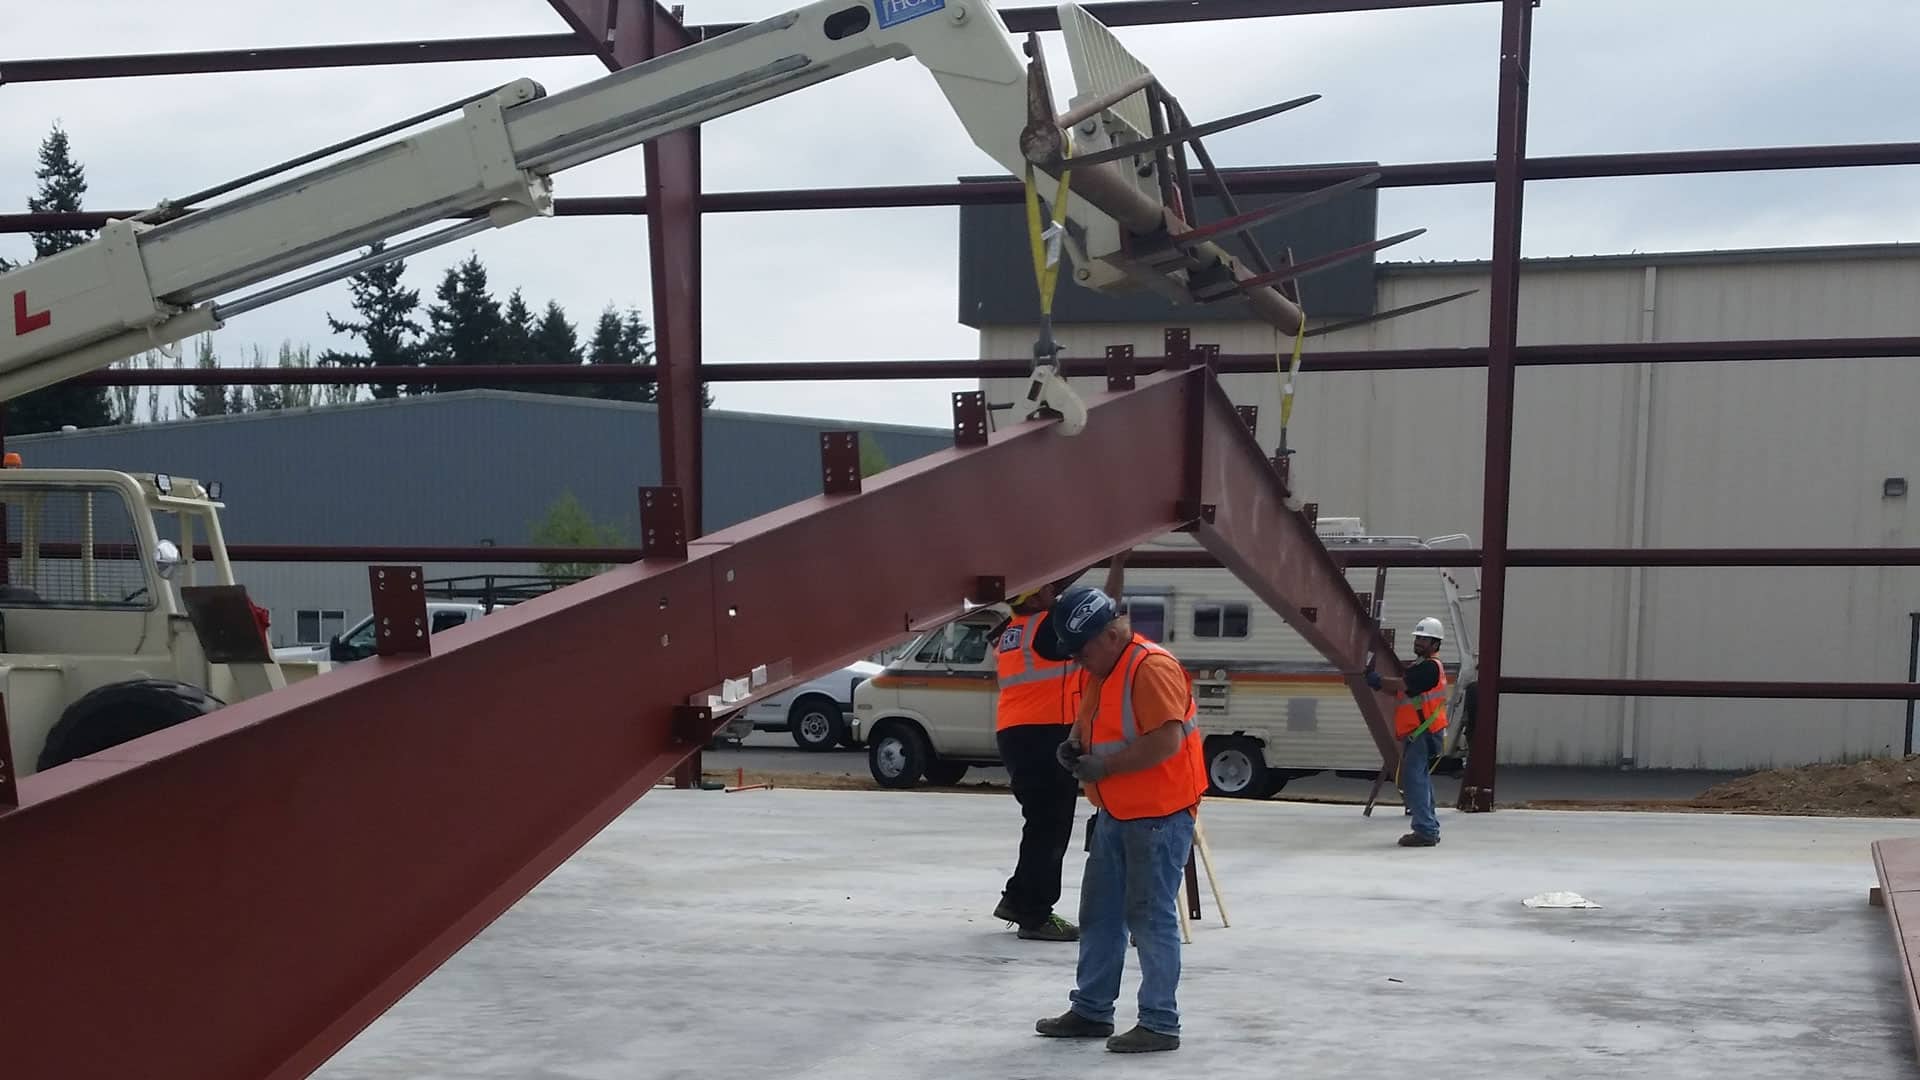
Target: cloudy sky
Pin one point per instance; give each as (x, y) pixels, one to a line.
(1610, 76)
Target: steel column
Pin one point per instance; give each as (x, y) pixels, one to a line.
(1510, 150)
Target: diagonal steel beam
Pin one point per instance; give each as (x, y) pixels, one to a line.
(302, 859)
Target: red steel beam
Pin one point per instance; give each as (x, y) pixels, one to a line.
(308, 883)
(587, 17)
(1531, 558)
(59, 69)
(1271, 181)
(454, 375)
(1698, 688)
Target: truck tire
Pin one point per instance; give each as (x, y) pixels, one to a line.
(121, 712)
(816, 723)
(898, 754)
(1236, 768)
(945, 773)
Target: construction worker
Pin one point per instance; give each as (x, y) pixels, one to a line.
(1032, 717)
(1417, 723)
(1135, 748)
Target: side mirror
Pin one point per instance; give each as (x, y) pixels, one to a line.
(334, 651)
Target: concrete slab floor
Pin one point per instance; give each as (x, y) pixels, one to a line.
(849, 935)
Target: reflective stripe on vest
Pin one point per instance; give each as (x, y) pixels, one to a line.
(1031, 686)
(1173, 785)
(1431, 705)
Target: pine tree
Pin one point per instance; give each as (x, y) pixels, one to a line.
(63, 185)
(467, 327)
(296, 395)
(555, 341)
(208, 400)
(627, 339)
(387, 328)
(265, 398)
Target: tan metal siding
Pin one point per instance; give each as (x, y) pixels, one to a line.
(1741, 454)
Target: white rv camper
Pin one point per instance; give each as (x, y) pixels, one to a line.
(1271, 707)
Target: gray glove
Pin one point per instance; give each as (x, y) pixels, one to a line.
(1067, 754)
(1090, 769)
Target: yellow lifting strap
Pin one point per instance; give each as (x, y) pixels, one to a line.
(1288, 373)
(1047, 237)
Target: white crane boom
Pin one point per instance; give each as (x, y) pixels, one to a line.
(138, 286)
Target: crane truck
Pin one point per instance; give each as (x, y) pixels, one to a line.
(182, 268)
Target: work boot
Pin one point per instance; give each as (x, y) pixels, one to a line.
(1054, 928)
(1071, 1025)
(1142, 1041)
(1419, 839)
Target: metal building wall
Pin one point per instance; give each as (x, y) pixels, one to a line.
(1734, 454)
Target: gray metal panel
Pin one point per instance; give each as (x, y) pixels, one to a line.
(996, 266)
(459, 468)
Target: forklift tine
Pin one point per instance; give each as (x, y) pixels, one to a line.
(1175, 138)
(1383, 316)
(1243, 222)
(1298, 270)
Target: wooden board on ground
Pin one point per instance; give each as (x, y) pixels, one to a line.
(1898, 864)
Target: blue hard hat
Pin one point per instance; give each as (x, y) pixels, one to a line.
(1077, 617)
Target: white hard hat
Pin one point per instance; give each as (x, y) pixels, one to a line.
(1429, 627)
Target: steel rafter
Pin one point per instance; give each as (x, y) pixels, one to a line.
(264, 838)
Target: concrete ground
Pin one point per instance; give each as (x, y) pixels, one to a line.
(774, 751)
(848, 935)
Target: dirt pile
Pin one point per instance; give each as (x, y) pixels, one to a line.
(1882, 787)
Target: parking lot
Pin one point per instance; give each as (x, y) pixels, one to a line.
(774, 752)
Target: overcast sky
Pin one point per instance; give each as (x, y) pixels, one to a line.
(1609, 76)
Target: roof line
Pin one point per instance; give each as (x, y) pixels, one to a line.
(1810, 253)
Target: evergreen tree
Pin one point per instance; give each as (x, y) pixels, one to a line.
(208, 400)
(387, 328)
(627, 339)
(466, 324)
(555, 341)
(63, 184)
(265, 398)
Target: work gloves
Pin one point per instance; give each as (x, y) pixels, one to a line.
(1083, 766)
(1373, 678)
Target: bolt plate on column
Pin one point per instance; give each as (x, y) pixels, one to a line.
(399, 611)
(1119, 368)
(840, 462)
(663, 523)
(970, 418)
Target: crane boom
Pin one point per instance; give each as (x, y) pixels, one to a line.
(140, 285)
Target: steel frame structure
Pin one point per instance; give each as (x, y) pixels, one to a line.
(621, 31)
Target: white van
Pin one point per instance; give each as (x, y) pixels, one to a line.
(1271, 707)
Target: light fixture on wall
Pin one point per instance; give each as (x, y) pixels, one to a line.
(1893, 487)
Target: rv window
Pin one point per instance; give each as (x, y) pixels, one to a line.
(1220, 620)
(1149, 616)
(445, 619)
(955, 643)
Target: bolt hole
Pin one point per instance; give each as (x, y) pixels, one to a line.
(847, 22)
(666, 639)
(733, 612)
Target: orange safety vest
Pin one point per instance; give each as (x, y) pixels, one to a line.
(1175, 784)
(1433, 703)
(1032, 687)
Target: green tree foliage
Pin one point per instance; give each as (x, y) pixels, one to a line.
(63, 186)
(465, 324)
(388, 328)
(568, 525)
(872, 458)
(208, 400)
(625, 338)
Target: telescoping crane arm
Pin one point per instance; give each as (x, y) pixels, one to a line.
(140, 285)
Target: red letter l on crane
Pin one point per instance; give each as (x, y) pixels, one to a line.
(24, 323)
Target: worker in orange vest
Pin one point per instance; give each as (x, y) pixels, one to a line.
(1032, 716)
(1417, 723)
(1135, 748)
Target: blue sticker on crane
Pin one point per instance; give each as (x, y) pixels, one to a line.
(894, 12)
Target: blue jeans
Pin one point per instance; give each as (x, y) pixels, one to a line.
(1416, 785)
(1132, 883)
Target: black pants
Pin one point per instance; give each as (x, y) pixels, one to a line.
(1047, 795)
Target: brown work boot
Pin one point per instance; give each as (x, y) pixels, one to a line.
(1419, 839)
(1071, 1025)
(1142, 1041)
